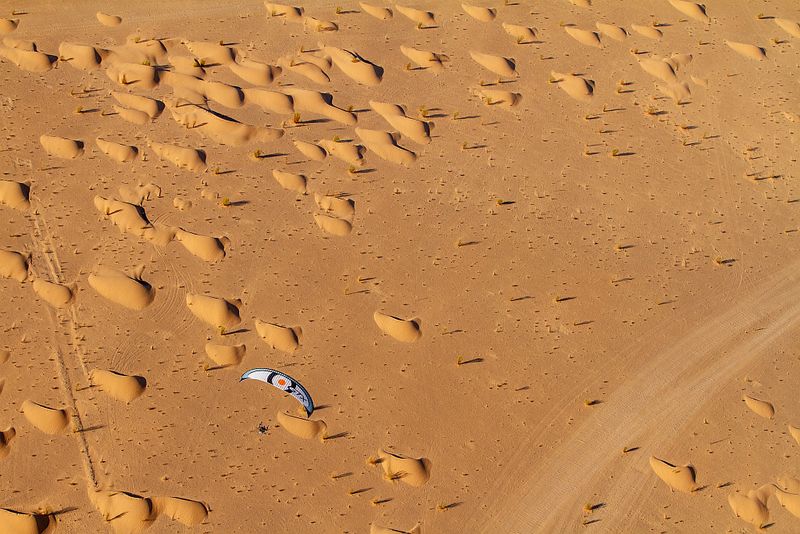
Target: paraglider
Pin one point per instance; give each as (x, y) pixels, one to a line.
(283, 382)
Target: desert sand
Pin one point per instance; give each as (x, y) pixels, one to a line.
(536, 262)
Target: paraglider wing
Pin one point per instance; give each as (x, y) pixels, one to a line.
(283, 382)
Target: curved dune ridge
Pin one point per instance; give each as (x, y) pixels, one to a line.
(225, 355)
(5, 442)
(377, 529)
(8, 25)
(749, 508)
(659, 68)
(789, 26)
(128, 513)
(681, 478)
(215, 311)
(585, 37)
(795, 433)
(128, 291)
(291, 181)
(319, 25)
(789, 483)
(29, 60)
(185, 158)
(343, 208)
(310, 150)
(427, 60)
(267, 100)
(321, 104)
(575, 86)
(502, 66)
(617, 33)
(131, 219)
(56, 295)
(354, 66)
(522, 34)
(185, 511)
(131, 115)
(151, 106)
(413, 471)
(747, 50)
(218, 128)
(117, 385)
(648, 31)
(230, 96)
(288, 12)
(415, 129)
(308, 70)
(789, 500)
(499, 97)
(48, 420)
(61, 147)
(333, 225)
(347, 152)
(300, 426)
(207, 248)
(15, 195)
(13, 265)
(483, 14)
(186, 65)
(284, 338)
(211, 52)
(254, 72)
(691, 10)
(83, 57)
(133, 74)
(21, 44)
(385, 146)
(380, 13)
(117, 151)
(759, 407)
(14, 522)
(108, 20)
(405, 330)
(423, 18)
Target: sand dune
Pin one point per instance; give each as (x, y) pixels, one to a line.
(269, 100)
(15, 195)
(759, 407)
(384, 145)
(28, 60)
(614, 32)
(586, 37)
(522, 34)
(416, 130)
(749, 509)
(215, 311)
(681, 478)
(483, 14)
(48, 420)
(348, 152)
(427, 60)
(307, 70)
(225, 355)
(679, 92)
(310, 150)
(13, 265)
(789, 500)
(405, 330)
(117, 385)
(423, 18)
(224, 94)
(210, 52)
(747, 50)
(129, 291)
(319, 25)
(61, 147)
(14, 522)
(83, 57)
(789, 26)
(131, 219)
(116, 151)
(380, 13)
(132, 115)
(795, 433)
(56, 295)
(575, 86)
(185, 511)
(187, 65)
(207, 248)
(127, 513)
(284, 338)
(151, 106)
(133, 75)
(281, 10)
(291, 181)
(354, 66)
(333, 225)
(789, 483)
(108, 20)
(343, 208)
(502, 66)
(413, 471)
(320, 104)
(659, 68)
(648, 31)
(300, 426)
(499, 97)
(691, 10)
(185, 158)
(8, 25)
(21, 44)
(219, 128)
(5, 444)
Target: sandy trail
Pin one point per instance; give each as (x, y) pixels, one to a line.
(647, 411)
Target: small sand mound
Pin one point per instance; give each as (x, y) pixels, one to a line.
(207, 248)
(291, 181)
(215, 311)
(131, 218)
(343, 208)
(128, 513)
(747, 50)
(224, 94)
(21, 44)
(14, 522)
(790, 484)
(254, 72)
(380, 13)
(300, 426)
(347, 152)
(749, 509)
(284, 338)
(416, 130)
(309, 150)
(29, 60)
(403, 330)
(377, 529)
(5, 443)
(80, 56)
(15, 195)
(108, 20)
(678, 92)
(789, 26)
(8, 25)
(795, 433)
(116, 151)
(648, 31)
(614, 32)
(354, 66)
(185, 158)
(658, 68)
(133, 74)
(13, 265)
(502, 66)
(145, 104)
(132, 115)
(483, 14)
(288, 12)
(423, 18)
(585, 37)
(118, 386)
(225, 355)
(522, 34)
(269, 100)
(211, 52)
(129, 291)
(385, 146)
(759, 407)
(424, 59)
(413, 471)
(575, 86)
(310, 71)
(321, 104)
(319, 25)
(499, 97)
(789, 500)
(681, 478)
(679, 61)
(56, 295)
(333, 225)
(5, 355)
(184, 511)
(61, 147)
(48, 420)
(691, 10)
